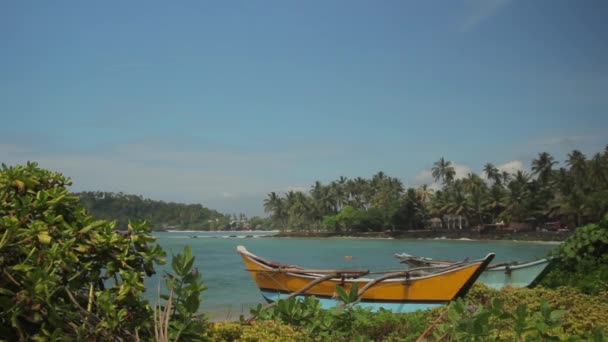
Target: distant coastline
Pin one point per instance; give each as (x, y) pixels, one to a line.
(217, 231)
(536, 236)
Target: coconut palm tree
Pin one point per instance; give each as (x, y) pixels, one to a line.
(578, 164)
(543, 167)
(338, 195)
(458, 203)
(598, 170)
(505, 176)
(495, 201)
(424, 193)
(275, 205)
(443, 169)
(492, 173)
(518, 200)
(300, 212)
(477, 189)
(320, 203)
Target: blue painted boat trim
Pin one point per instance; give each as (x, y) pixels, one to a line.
(394, 306)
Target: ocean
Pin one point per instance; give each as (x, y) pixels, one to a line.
(232, 292)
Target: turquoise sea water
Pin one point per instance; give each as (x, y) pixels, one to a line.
(231, 290)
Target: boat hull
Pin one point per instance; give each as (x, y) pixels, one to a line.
(399, 294)
(523, 275)
(328, 303)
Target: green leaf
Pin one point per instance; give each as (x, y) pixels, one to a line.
(44, 237)
(342, 295)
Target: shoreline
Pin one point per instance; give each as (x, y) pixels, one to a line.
(452, 235)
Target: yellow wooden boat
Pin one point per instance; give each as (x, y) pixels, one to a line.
(398, 291)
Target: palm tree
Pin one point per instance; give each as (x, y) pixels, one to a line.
(338, 195)
(300, 212)
(492, 173)
(495, 201)
(477, 189)
(578, 164)
(506, 177)
(473, 183)
(443, 169)
(320, 203)
(518, 201)
(424, 193)
(458, 204)
(598, 170)
(276, 206)
(542, 166)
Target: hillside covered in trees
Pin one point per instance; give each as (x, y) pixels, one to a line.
(161, 215)
(571, 195)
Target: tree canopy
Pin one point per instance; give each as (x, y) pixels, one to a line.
(161, 215)
(573, 195)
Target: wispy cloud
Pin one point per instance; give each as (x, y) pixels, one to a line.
(211, 178)
(512, 166)
(560, 145)
(462, 171)
(479, 11)
(564, 141)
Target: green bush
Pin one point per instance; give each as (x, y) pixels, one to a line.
(582, 313)
(583, 260)
(63, 272)
(266, 331)
(68, 276)
(345, 322)
(182, 303)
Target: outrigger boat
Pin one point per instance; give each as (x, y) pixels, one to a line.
(495, 276)
(416, 261)
(398, 291)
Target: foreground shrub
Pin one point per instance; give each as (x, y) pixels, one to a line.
(511, 314)
(264, 331)
(583, 260)
(581, 313)
(345, 322)
(68, 276)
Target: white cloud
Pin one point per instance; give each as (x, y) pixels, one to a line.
(461, 170)
(480, 10)
(10, 150)
(208, 178)
(512, 166)
(424, 177)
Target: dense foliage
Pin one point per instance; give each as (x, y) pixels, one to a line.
(539, 314)
(575, 309)
(161, 215)
(571, 196)
(583, 260)
(68, 276)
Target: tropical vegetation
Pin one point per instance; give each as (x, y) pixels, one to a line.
(571, 195)
(68, 276)
(571, 305)
(161, 215)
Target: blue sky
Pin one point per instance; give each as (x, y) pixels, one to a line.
(222, 102)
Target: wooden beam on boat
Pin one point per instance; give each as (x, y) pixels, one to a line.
(400, 274)
(339, 273)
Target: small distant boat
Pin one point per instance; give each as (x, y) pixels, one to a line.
(398, 291)
(495, 276)
(416, 261)
(515, 274)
